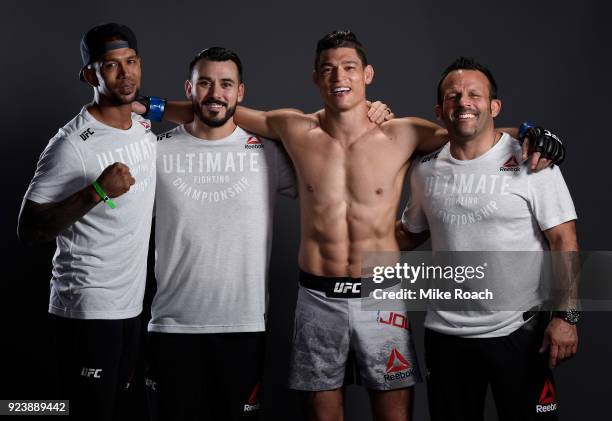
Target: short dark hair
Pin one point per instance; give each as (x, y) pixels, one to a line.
(217, 54)
(468, 63)
(339, 39)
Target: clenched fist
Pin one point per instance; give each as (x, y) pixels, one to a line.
(116, 179)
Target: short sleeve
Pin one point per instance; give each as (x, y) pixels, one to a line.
(59, 172)
(550, 199)
(414, 218)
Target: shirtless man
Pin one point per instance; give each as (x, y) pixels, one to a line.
(350, 174)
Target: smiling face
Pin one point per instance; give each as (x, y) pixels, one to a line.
(214, 90)
(341, 78)
(466, 105)
(116, 75)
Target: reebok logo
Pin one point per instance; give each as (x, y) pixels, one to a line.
(548, 399)
(344, 287)
(252, 403)
(398, 367)
(510, 165)
(145, 124)
(253, 142)
(95, 373)
(548, 393)
(397, 362)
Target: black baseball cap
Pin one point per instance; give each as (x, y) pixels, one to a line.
(96, 42)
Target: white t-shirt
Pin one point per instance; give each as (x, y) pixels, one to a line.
(99, 267)
(490, 203)
(213, 230)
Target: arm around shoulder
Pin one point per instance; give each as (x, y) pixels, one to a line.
(420, 135)
(270, 124)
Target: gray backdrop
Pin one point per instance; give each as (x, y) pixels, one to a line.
(549, 59)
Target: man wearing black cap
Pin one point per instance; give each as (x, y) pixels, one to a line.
(93, 192)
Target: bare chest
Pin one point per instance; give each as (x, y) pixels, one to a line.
(365, 170)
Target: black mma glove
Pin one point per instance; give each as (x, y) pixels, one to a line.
(543, 141)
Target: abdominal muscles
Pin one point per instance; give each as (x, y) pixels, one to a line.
(336, 233)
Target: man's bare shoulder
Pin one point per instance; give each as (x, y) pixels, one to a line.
(404, 129)
(313, 119)
(295, 120)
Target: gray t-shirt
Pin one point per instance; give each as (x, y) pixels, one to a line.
(490, 203)
(213, 230)
(99, 267)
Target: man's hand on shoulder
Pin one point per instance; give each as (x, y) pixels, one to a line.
(379, 112)
(545, 148)
(138, 108)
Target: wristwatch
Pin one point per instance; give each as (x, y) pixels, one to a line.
(571, 316)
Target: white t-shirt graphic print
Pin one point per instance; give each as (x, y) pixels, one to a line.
(213, 230)
(490, 203)
(99, 268)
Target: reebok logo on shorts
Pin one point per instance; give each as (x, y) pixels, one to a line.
(253, 142)
(398, 367)
(252, 403)
(94, 373)
(548, 398)
(510, 165)
(397, 362)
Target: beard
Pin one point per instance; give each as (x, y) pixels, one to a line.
(117, 99)
(213, 121)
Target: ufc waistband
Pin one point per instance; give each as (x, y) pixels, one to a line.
(339, 286)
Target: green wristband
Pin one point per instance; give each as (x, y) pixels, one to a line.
(103, 195)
